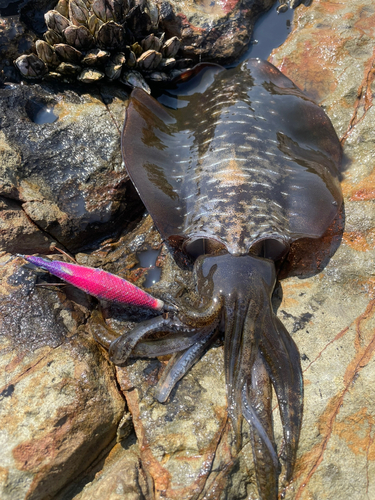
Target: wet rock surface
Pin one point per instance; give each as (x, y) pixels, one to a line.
(62, 401)
(67, 176)
(120, 476)
(215, 31)
(15, 39)
(60, 406)
(330, 54)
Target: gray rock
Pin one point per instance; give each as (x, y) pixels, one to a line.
(120, 477)
(218, 31)
(15, 40)
(18, 234)
(67, 175)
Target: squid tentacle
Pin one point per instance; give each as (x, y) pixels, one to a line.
(180, 364)
(240, 348)
(257, 410)
(121, 348)
(283, 362)
(232, 352)
(100, 331)
(200, 317)
(169, 344)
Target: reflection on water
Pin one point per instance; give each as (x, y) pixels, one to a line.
(147, 259)
(270, 31)
(40, 112)
(44, 115)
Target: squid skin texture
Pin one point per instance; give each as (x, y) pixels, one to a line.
(232, 172)
(251, 160)
(98, 283)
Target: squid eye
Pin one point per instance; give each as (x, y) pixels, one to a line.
(203, 246)
(270, 249)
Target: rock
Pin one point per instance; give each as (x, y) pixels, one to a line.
(15, 40)
(180, 440)
(121, 477)
(330, 55)
(185, 448)
(60, 404)
(17, 233)
(218, 31)
(32, 14)
(67, 175)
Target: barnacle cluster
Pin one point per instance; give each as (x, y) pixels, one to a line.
(90, 40)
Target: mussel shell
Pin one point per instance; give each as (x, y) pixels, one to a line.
(63, 7)
(131, 60)
(68, 69)
(46, 53)
(79, 37)
(94, 24)
(68, 53)
(54, 77)
(159, 76)
(90, 76)
(167, 64)
(119, 58)
(52, 37)
(138, 22)
(31, 66)
(113, 70)
(137, 49)
(55, 21)
(153, 12)
(135, 79)
(95, 57)
(109, 10)
(171, 47)
(151, 42)
(149, 60)
(78, 12)
(111, 36)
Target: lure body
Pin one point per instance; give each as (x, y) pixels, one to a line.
(98, 283)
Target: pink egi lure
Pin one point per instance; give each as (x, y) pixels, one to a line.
(98, 283)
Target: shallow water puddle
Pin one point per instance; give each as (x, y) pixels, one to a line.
(270, 31)
(147, 259)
